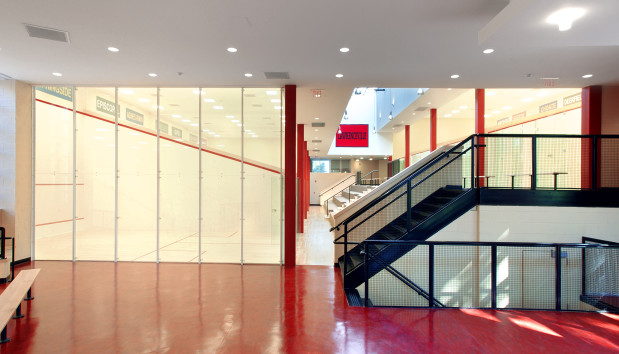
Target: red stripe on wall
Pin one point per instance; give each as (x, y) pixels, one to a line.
(57, 222)
(162, 137)
(58, 184)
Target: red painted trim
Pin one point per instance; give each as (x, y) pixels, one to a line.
(407, 145)
(480, 127)
(58, 222)
(162, 137)
(301, 177)
(433, 129)
(290, 232)
(533, 119)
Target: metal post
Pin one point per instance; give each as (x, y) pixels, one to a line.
(533, 163)
(472, 161)
(33, 177)
(18, 313)
(29, 295)
(345, 253)
(74, 201)
(158, 172)
(558, 277)
(584, 273)
(431, 274)
(409, 217)
(594, 164)
(200, 175)
(3, 338)
(116, 175)
(493, 276)
(242, 167)
(365, 270)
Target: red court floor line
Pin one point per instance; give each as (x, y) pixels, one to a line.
(58, 222)
(128, 307)
(186, 237)
(162, 137)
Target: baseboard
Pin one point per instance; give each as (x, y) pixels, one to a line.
(315, 204)
(4, 280)
(21, 261)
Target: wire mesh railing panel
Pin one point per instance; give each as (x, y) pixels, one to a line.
(602, 274)
(508, 161)
(462, 276)
(608, 158)
(406, 278)
(525, 278)
(559, 162)
(571, 280)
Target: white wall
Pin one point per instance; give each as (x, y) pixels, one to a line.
(321, 181)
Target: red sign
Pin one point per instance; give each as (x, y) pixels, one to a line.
(352, 135)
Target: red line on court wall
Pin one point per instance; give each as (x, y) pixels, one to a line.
(162, 137)
(58, 184)
(57, 222)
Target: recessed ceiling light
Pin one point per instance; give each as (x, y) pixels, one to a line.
(449, 89)
(344, 50)
(455, 76)
(143, 100)
(490, 93)
(276, 100)
(57, 74)
(565, 17)
(186, 120)
(177, 116)
(587, 76)
(232, 50)
(429, 102)
(464, 107)
(152, 75)
(271, 93)
(315, 130)
(339, 76)
(316, 118)
(126, 92)
(218, 107)
(113, 49)
(488, 51)
(249, 74)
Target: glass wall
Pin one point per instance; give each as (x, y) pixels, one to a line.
(168, 174)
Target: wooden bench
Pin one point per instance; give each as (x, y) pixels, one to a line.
(12, 296)
(476, 180)
(555, 174)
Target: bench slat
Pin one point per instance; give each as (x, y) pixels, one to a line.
(13, 295)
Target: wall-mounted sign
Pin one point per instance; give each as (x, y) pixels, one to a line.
(352, 135)
(551, 106)
(135, 117)
(105, 106)
(572, 99)
(177, 132)
(519, 115)
(164, 127)
(66, 93)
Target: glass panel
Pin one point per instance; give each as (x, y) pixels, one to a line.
(221, 175)
(95, 176)
(262, 139)
(179, 160)
(53, 173)
(137, 175)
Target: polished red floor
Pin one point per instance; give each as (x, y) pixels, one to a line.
(99, 307)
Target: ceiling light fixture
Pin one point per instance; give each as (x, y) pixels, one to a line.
(113, 49)
(339, 76)
(249, 74)
(152, 75)
(316, 118)
(455, 76)
(565, 17)
(57, 74)
(488, 51)
(232, 50)
(420, 92)
(587, 76)
(344, 50)
(339, 130)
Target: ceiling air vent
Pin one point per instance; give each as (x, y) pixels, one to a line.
(47, 33)
(318, 125)
(419, 109)
(5, 77)
(397, 125)
(316, 141)
(277, 75)
(315, 149)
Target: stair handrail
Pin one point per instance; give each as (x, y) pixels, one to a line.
(398, 185)
(342, 181)
(347, 187)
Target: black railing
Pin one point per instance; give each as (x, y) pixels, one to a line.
(600, 275)
(490, 275)
(332, 188)
(4, 254)
(506, 161)
(370, 179)
(356, 182)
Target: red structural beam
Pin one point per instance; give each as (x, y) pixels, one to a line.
(290, 193)
(300, 176)
(480, 127)
(433, 129)
(591, 124)
(407, 145)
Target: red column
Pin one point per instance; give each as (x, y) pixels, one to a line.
(300, 176)
(306, 178)
(433, 129)
(591, 124)
(290, 195)
(407, 145)
(480, 128)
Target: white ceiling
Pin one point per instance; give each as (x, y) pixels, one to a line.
(400, 43)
